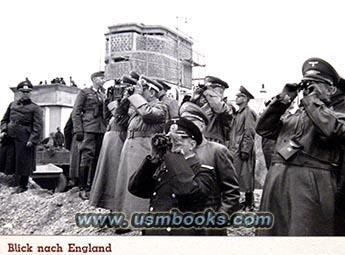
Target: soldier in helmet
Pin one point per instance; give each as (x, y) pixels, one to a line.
(22, 126)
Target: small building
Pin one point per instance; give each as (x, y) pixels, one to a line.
(154, 51)
(56, 101)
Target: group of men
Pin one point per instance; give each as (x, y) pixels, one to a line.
(116, 137)
(138, 150)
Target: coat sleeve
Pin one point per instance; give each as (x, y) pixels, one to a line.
(141, 183)
(150, 114)
(37, 126)
(121, 113)
(6, 119)
(269, 124)
(327, 122)
(228, 181)
(77, 112)
(186, 183)
(217, 105)
(173, 108)
(248, 138)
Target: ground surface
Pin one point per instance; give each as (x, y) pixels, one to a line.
(41, 212)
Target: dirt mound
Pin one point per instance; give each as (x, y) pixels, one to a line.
(41, 212)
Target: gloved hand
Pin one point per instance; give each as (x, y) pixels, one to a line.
(289, 93)
(159, 144)
(29, 144)
(79, 136)
(322, 91)
(244, 156)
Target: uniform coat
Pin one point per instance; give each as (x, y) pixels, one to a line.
(103, 187)
(23, 123)
(219, 114)
(88, 117)
(177, 183)
(242, 139)
(146, 119)
(88, 112)
(73, 146)
(172, 105)
(217, 158)
(300, 187)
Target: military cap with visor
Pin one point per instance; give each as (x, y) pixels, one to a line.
(189, 109)
(165, 85)
(129, 80)
(97, 74)
(134, 75)
(24, 86)
(317, 69)
(244, 91)
(214, 81)
(185, 128)
(152, 84)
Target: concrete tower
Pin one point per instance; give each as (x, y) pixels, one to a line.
(154, 51)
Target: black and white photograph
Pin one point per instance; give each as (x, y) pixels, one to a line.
(205, 124)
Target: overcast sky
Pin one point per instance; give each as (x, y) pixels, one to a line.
(244, 42)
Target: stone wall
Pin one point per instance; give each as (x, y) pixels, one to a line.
(150, 50)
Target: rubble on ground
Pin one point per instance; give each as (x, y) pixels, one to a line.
(41, 212)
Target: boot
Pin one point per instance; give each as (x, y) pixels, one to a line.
(22, 183)
(249, 204)
(83, 173)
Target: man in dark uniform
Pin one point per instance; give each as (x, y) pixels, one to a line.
(89, 126)
(59, 138)
(211, 100)
(216, 157)
(172, 177)
(241, 145)
(300, 187)
(22, 126)
(338, 104)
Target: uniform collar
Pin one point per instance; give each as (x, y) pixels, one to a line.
(241, 108)
(192, 159)
(24, 101)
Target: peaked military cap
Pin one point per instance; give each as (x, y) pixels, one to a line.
(192, 110)
(165, 85)
(151, 83)
(211, 80)
(184, 127)
(244, 91)
(97, 74)
(319, 70)
(128, 79)
(134, 75)
(24, 86)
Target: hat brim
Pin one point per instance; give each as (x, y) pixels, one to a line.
(316, 78)
(25, 90)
